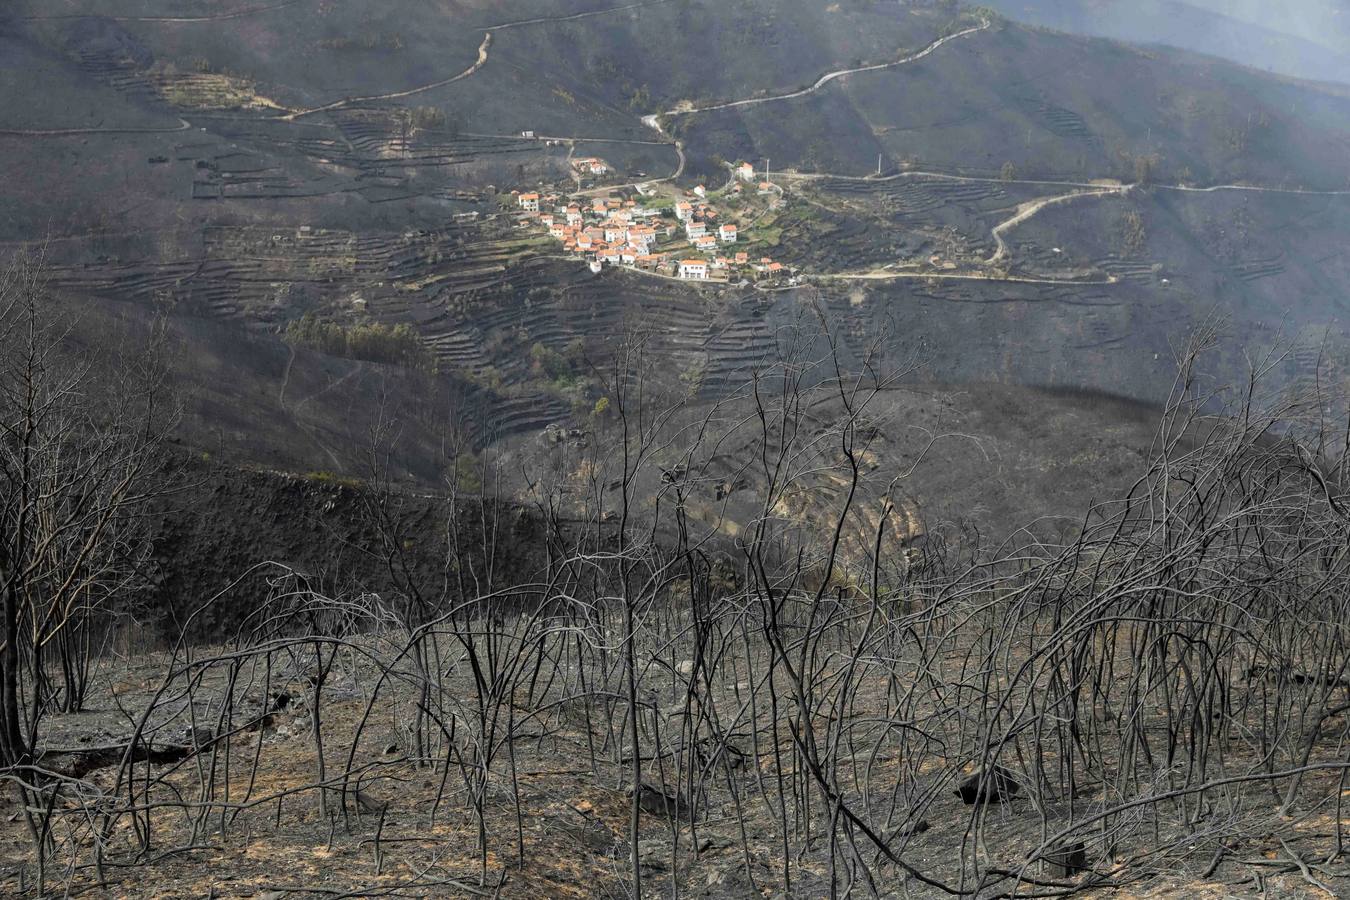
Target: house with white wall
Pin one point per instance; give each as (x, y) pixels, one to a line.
(694, 269)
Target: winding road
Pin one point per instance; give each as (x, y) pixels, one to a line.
(1250, 188)
(187, 20)
(1026, 210)
(1100, 183)
(942, 176)
(483, 49)
(895, 276)
(183, 125)
(1023, 212)
(585, 15)
(830, 76)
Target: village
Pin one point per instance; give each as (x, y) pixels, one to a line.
(658, 229)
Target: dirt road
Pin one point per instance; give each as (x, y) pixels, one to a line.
(828, 77)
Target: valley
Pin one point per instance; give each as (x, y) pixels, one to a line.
(262, 195)
(692, 448)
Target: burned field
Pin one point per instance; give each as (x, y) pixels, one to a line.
(834, 701)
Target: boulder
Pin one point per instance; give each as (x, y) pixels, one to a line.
(993, 785)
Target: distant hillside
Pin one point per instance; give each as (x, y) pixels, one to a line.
(1055, 106)
(1303, 38)
(241, 165)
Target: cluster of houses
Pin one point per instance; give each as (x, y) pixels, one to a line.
(590, 166)
(622, 231)
(608, 230)
(746, 173)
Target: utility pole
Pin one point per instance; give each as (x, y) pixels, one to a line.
(878, 165)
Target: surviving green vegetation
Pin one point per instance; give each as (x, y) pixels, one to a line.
(370, 341)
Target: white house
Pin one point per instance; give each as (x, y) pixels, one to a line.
(615, 233)
(707, 242)
(684, 210)
(529, 135)
(745, 172)
(694, 269)
(727, 233)
(695, 229)
(574, 217)
(700, 191)
(529, 202)
(596, 265)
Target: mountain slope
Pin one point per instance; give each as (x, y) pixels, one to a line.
(1305, 38)
(241, 165)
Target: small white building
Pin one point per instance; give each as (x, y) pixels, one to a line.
(707, 242)
(700, 191)
(684, 210)
(694, 269)
(695, 229)
(745, 172)
(596, 266)
(727, 234)
(529, 202)
(527, 134)
(615, 233)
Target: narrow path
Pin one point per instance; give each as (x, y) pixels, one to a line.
(183, 125)
(218, 17)
(571, 155)
(944, 176)
(1018, 279)
(831, 76)
(286, 378)
(654, 122)
(575, 16)
(483, 50)
(1248, 187)
(395, 95)
(357, 369)
(565, 138)
(1026, 210)
(1102, 183)
(294, 411)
